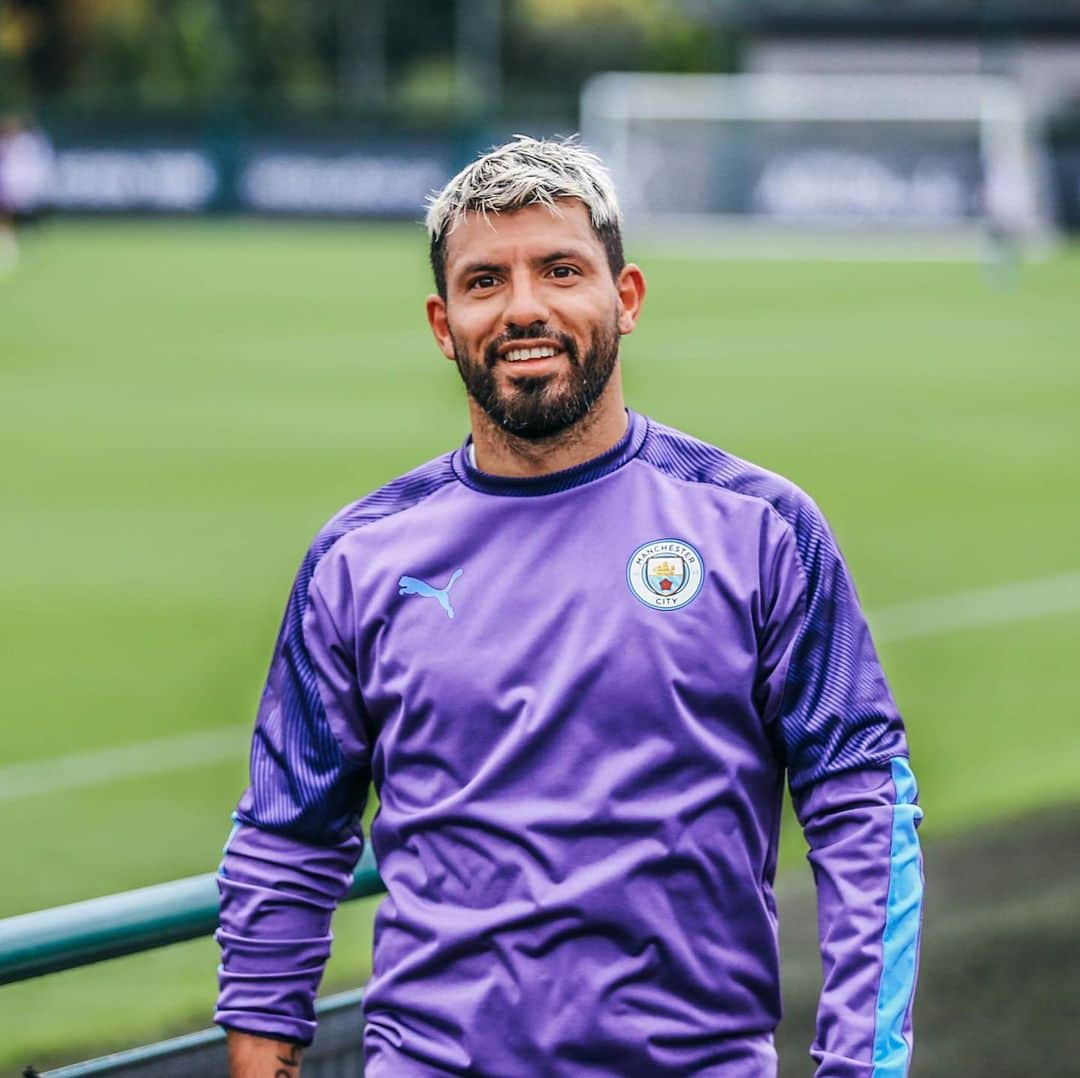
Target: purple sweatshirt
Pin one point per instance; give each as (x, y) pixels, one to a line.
(578, 697)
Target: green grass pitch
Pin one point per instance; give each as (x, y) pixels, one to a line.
(183, 405)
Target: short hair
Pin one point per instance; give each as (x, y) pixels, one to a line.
(525, 172)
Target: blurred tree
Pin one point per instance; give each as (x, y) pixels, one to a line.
(557, 44)
(570, 12)
(360, 47)
(169, 52)
(420, 50)
(468, 57)
(287, 51)
(15, 30)
(38, 42)
(107, 51)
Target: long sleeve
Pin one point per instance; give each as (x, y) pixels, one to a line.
(296, 838)
(842, 739)
(861, 829)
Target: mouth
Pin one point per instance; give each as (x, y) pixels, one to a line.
(531, 355)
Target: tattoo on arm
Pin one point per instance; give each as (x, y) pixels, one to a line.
(288, 1063)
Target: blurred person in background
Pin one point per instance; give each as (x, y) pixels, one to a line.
(577, 657)
(26, 176)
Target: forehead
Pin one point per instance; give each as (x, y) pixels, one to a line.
(530, 231)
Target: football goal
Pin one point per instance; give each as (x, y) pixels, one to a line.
(917, 158)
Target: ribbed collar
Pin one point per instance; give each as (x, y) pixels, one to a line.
(609, 461)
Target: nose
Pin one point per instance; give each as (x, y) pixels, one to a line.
(524, 304)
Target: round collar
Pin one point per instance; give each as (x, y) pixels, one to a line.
(607, 462)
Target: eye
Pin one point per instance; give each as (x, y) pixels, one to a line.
(563, 272)
(484, 280)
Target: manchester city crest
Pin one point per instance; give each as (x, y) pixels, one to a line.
(665, 574)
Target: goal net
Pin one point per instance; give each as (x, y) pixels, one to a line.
(913, 156)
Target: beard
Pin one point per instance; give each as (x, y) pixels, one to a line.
(534, 407)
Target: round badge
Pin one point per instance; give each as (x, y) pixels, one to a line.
(665, 574)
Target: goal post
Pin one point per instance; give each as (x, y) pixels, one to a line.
(916, 156)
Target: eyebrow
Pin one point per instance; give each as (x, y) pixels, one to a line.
(482, 267)
(561, 256)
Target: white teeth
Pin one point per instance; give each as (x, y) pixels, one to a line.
(516, 354)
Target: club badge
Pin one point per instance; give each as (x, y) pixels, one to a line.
(665, 574)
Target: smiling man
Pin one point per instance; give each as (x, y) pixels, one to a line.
(578, 658)
(540, 297)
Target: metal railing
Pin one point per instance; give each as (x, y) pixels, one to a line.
(35, 944)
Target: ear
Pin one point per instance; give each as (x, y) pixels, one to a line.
(440, 325)
(630, 286)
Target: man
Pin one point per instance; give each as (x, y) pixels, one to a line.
(26, 168)
(576, 657)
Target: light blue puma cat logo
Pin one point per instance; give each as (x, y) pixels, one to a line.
(410, 585)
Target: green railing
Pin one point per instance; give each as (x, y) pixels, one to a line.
(76, 935)
(34, 944)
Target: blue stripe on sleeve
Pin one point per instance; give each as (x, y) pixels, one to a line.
(892, 1053)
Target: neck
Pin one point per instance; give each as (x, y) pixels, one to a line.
(500, 453)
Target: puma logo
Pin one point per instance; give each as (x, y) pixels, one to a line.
(410, 585)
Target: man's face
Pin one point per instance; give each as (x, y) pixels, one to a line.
(532, 316)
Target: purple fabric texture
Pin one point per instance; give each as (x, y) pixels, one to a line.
(277, 898)
(848, 823)
(580, 788)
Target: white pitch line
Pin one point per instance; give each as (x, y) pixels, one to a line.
(100, 766)
(935, 616)
(977, 609)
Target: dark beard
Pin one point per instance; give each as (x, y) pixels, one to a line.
(538, 407)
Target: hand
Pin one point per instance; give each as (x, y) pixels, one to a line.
(262, 1057)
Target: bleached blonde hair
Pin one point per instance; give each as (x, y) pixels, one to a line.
(525, 172)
